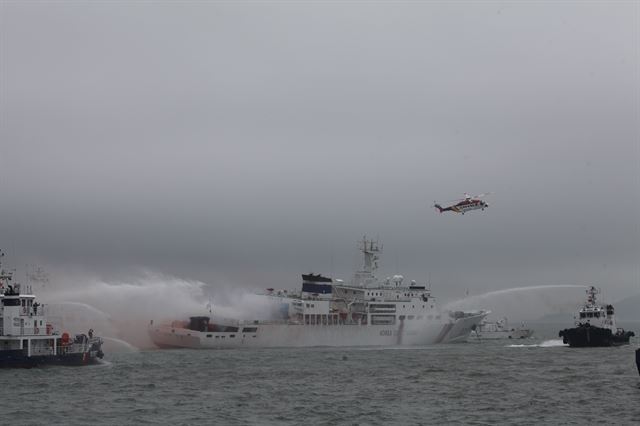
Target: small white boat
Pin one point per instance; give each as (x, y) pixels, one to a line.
(500, 330)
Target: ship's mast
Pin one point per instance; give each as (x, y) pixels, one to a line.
(5, 276)
(592, 291)
(371, 250)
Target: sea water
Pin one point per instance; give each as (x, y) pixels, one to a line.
(527, 382)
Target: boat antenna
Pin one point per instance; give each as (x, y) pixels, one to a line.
(397, 263)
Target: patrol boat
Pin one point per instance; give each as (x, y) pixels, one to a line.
(28, 340)
(329, 312)
(500, 330)
(595, 325)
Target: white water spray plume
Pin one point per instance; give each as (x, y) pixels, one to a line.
(525, 303)
(120, 311)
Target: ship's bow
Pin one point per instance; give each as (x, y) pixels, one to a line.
(461, 326)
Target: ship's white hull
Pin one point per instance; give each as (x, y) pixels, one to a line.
(301, 335)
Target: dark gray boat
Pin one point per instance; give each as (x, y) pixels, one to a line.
(595, 325)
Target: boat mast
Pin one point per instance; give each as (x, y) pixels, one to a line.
(371, 251)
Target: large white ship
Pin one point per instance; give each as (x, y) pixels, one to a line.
(327, 312)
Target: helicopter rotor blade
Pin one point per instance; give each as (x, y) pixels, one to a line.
(483, 195)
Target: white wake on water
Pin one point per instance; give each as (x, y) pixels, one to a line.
(553, 343)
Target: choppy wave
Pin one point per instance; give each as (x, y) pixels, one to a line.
(440, 384)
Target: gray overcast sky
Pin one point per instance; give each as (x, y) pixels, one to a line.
(244, 143)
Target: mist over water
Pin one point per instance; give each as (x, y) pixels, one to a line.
(120, 310)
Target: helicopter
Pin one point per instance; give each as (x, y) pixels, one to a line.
(465, 204)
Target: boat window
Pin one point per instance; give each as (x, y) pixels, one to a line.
(217, 337)
(582, 315)
(232, 336)
(411, 317)
(208, 335)
(250, 329)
